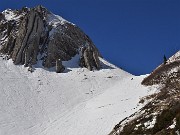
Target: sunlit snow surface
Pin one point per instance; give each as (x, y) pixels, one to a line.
(76, 102)
(55, 20)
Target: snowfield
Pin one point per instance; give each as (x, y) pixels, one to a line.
(76, 102)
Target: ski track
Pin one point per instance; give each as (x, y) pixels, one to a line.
(79, 102)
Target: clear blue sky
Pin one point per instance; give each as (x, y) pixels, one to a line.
(132, 34)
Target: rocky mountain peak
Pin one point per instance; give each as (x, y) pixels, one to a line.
(32, 35)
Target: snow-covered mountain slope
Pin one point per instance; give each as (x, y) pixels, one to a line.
(161, 114)
(89, 96)
(76, 102)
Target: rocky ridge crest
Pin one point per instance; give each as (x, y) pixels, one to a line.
(35, 34)
(161, 113)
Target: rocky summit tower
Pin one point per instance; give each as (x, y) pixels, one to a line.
(35, 34)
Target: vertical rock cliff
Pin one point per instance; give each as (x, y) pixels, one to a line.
(35, 34)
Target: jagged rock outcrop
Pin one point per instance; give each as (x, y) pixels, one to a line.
(89, 58)
(161, 114)
(27, 41)
(2, 16)
(59, 67)
(35, 34)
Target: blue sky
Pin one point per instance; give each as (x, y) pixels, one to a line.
(132, 34)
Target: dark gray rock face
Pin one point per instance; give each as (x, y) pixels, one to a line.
(89, 58)
(1, 16)
(59, 67)
(30, 35)
(27, 41)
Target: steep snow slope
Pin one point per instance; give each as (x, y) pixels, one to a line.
(76, 102)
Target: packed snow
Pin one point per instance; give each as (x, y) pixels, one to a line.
(55, 20)
(173, 125)
(150, 124)
(76, 102)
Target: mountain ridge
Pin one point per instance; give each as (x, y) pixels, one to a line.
(82, 100)
(32, 33)
(161, 113)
